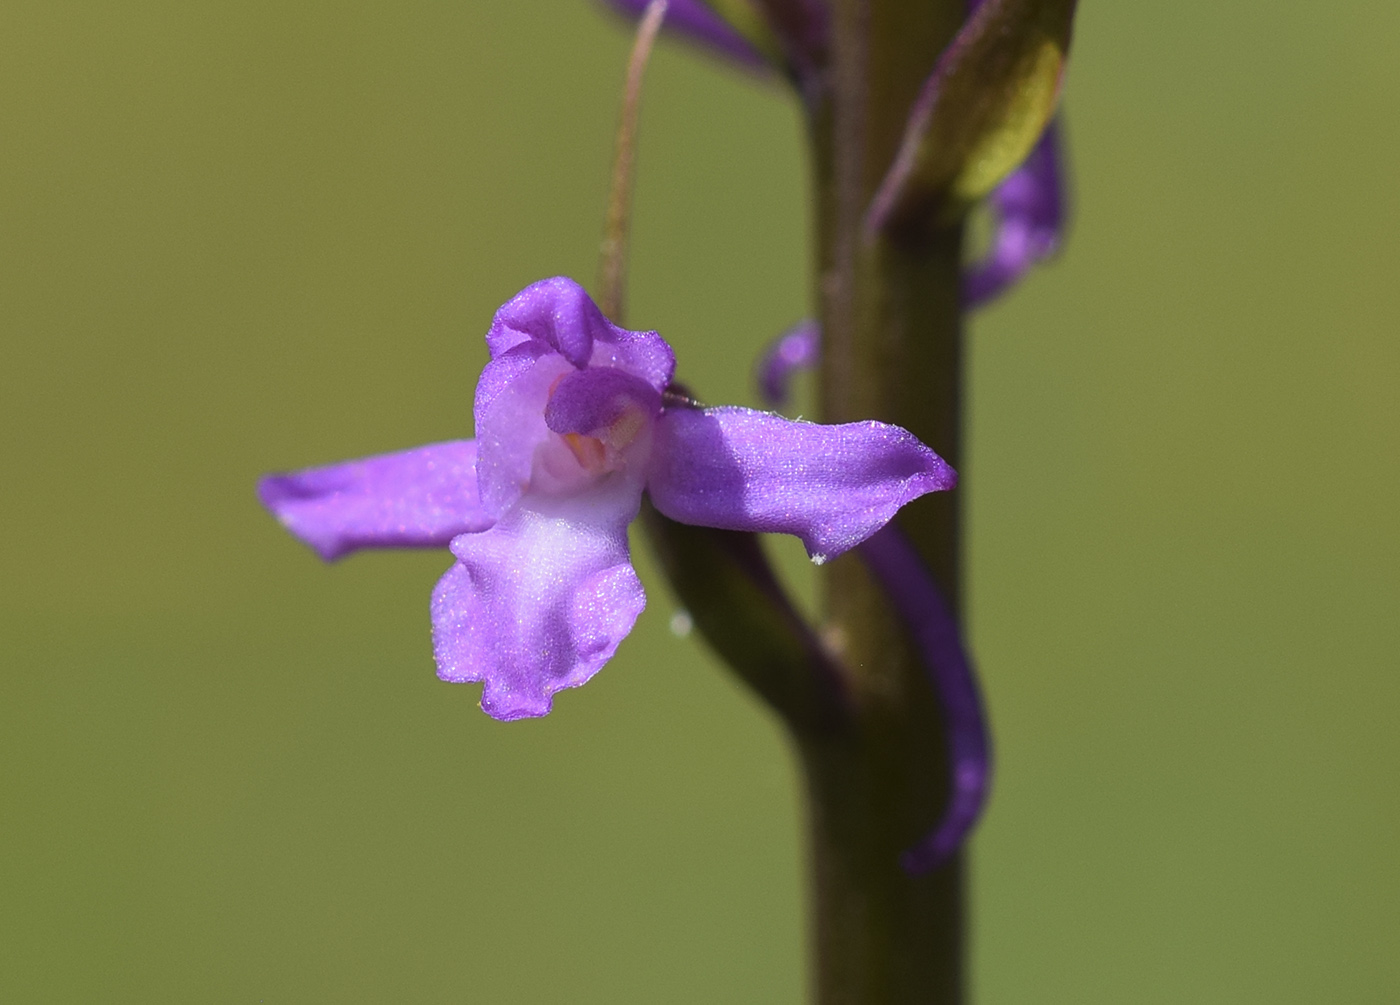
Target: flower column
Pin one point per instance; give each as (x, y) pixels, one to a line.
(892, 349)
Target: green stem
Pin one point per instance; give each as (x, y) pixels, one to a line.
(722, 576)
(892, 350)
(725, 581)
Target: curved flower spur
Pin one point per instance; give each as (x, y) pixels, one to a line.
(573, 424)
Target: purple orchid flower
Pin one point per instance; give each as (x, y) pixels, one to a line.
(696, 22)
(574, 421)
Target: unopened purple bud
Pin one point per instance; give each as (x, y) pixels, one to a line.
(1029, 207)
(796, 350)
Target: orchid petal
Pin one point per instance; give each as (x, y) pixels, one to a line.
(831, 486)
(419, 498)
(501, 372)
(645, 354)
(560, 314)
(540, 601)
(694, 20)
(510, 424)
(557, 311)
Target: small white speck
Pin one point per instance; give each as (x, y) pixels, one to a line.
(682, 624)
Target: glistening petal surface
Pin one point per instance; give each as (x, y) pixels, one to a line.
(559, 314)
(510, 425)
(831, 486)
(540, 601)
(418, 498)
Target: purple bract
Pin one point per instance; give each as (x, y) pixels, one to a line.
(572, 425)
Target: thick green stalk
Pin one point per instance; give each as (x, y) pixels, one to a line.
(892, 350)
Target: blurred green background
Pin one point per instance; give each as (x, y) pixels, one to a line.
(237, 237)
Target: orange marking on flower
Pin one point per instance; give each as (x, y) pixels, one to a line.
(588, 451)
